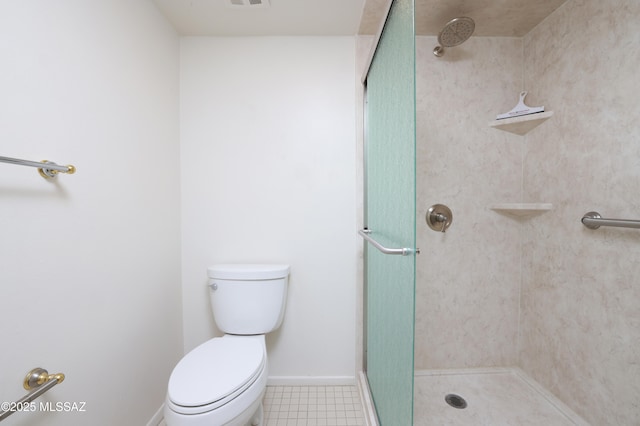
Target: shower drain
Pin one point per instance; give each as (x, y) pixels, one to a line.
(456, 401)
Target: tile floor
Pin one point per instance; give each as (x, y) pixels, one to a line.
(312, 406)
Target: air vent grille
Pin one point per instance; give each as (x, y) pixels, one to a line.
(248, 3)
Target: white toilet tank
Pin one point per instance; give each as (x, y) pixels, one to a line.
(247, 298)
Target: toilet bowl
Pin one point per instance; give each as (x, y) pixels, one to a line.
(222, 381)
(238, 376)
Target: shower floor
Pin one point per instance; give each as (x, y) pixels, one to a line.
(494, 397)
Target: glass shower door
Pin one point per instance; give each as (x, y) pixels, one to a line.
(390, 217)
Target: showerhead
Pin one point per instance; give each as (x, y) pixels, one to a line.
(456, 32)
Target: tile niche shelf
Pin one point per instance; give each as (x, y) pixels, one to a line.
(521, 209)
(521, 125)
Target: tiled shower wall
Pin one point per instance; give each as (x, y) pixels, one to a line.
(543, 293)
(581, 288)
(468, 279)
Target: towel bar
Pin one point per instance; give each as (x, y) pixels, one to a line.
(47, 169)
(38, 381)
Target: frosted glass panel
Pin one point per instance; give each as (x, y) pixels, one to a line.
(390, 215)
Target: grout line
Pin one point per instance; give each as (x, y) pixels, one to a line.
(312, 406)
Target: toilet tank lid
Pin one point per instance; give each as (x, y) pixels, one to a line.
(231, 271)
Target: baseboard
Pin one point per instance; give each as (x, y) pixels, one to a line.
(158, 417)
(368, 409)
(311, 381)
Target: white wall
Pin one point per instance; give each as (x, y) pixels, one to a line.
(89, 265)
(268, 175)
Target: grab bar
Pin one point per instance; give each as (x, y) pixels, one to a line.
(405, 251)
(37, 379)
(47, 169)
(593, 220)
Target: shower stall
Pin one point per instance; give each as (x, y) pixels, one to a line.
(517, 309)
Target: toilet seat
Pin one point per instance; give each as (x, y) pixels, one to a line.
(215, 373)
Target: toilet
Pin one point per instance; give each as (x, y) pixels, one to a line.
(222, 381)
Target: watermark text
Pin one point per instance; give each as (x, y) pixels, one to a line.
(59, 406)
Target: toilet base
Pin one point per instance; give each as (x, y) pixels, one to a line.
(258, 418)
(252, 416)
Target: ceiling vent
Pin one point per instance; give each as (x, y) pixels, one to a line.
(248, 3)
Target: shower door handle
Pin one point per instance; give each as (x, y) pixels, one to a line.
(405, 251)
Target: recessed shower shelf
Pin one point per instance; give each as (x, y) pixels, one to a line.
(521, 209)
(523, 124)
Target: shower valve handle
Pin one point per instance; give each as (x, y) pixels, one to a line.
(439, 217)
(442, 219)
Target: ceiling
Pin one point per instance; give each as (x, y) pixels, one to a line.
(275, 18)
(505, 18)
(497, 18)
